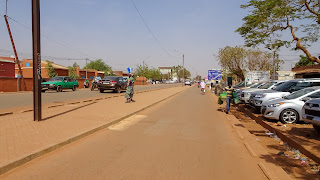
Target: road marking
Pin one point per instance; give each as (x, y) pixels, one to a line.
(127, 123)
(249, 148)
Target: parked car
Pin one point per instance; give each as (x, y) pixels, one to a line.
(311, 113)
(187, 82)
(59, 83)
(246, 93)
(115, 83)
(259, 98)
(289, 108)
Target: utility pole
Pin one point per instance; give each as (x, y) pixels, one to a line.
(274, 65)
(15, 53)
(143, 73)
(182, 69)
(86, 68)
(36, 60)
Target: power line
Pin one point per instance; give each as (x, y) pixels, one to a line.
(145, 23)
(21, 24)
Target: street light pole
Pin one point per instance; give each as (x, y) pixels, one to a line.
(182, 69)
(143, 73)
(36, 60)
(274, 65)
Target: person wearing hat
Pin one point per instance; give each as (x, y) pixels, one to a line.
(129, 91)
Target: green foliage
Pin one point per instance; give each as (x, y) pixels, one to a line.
(149, 73)
(197, 78)
(269, 20)
(99, 65)
(304, 61)
(50, 70)
(73, 70)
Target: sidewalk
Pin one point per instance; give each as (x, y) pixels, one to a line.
(22, 139)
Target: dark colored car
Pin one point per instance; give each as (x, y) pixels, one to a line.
(58, 83)
(115, 83)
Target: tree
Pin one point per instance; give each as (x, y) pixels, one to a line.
(269, 20)
(99, 65)
(73, 70)
(304, 61)
(50, 69)
(233, 60)
(178, 70)
(197, 78)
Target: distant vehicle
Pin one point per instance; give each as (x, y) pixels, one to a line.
(115, 83)
(311, 113)
(59, 83)
(187, 82)
(289, 108)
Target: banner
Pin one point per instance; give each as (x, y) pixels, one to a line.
(214, 75)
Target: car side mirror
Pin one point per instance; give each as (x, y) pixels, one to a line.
(305, 99)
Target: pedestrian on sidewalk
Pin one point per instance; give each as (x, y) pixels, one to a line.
(229, 91)
(129, 91)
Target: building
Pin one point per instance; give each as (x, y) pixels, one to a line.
(27, 69)
(7, 67)
(165, 70)
(307, 71)
(285, 75)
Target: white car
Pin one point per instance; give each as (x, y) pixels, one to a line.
(187, 82)
(311, 113)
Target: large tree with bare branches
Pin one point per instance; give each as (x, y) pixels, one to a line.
(270, 20)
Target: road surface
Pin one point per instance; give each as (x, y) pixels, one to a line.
(13, 100)
(184, 137)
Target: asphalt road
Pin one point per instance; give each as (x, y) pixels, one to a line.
(184, 137)
(14, 100)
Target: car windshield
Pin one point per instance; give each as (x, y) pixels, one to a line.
(56, 79)
(299, 93)
(110, 78)
(285, 86)
(266, 85)
(255, 85)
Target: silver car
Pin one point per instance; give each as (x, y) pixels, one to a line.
(246, 93)
(289, 108)
(311, 113)
(259, 98)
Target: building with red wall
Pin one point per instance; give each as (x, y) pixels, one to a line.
(7, 67)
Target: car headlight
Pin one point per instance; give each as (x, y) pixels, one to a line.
(260, 96)
(275, 105)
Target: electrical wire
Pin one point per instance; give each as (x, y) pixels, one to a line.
(145, 23)
(21, 24)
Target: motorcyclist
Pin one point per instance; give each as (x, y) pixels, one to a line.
(95, 81)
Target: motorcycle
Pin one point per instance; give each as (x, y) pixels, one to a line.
(95, 85)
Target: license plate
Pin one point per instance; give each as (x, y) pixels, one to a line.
(106, 83)
(310, 117)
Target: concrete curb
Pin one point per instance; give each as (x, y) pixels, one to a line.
(268, 165)
(23, 160)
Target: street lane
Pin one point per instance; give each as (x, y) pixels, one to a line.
(184, 137)
(13, 100)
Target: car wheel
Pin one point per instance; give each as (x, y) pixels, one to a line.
(74, 88)
(289, 116)
(59, 89)
(101, 90)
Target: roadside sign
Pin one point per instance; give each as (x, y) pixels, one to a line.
(214, 75)
(257, 76)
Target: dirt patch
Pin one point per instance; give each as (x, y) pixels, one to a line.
(291, 160)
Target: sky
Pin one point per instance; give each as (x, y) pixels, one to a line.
(113, 30)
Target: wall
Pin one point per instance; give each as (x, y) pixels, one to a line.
(139, 80)
(8, 84)
(7, 69)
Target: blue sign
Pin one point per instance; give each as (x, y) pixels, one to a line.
(129, 70)
(27, 64)
(214, 75)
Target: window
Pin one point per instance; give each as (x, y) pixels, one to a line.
(315, 95)
(315, 84)
(300, 93)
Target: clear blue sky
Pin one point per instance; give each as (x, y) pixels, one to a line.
(113, 30)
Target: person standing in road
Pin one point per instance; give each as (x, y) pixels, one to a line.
(129, 91)
(230, 91)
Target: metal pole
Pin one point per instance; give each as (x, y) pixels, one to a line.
(36, 60)
(182, 69)
(15, 53)
(86, 68)
(143, 74)
(274, 66)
